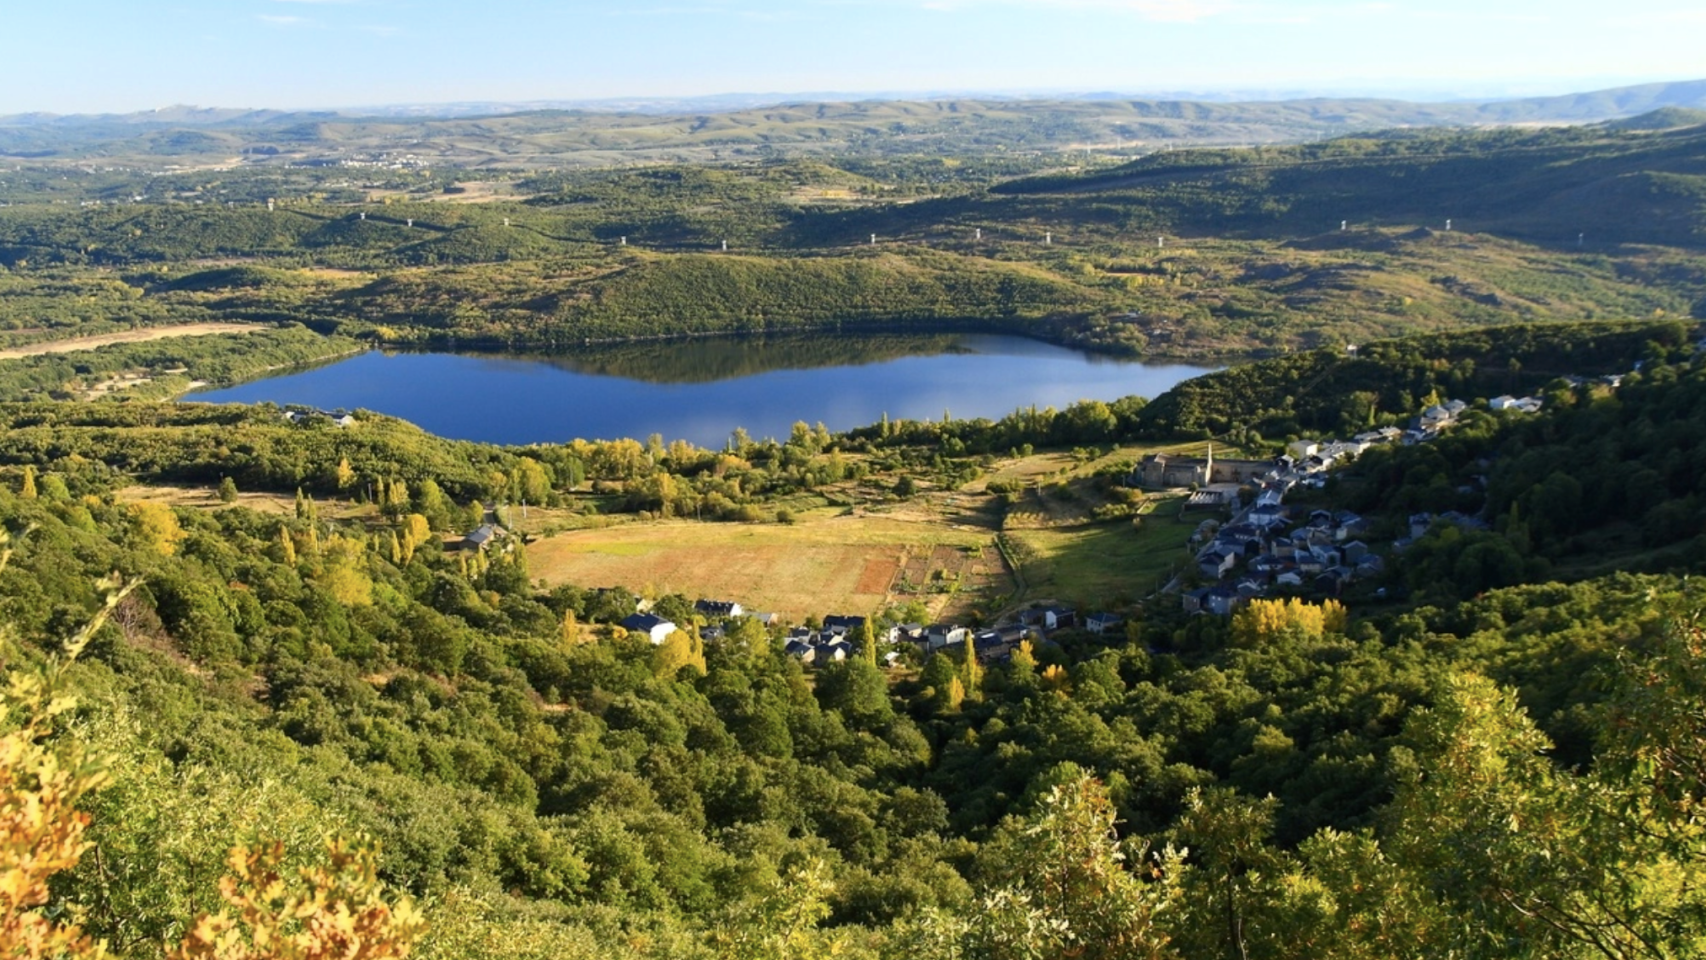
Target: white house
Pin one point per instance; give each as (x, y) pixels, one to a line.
(655, 627)
(1299, 449)
(942, 635)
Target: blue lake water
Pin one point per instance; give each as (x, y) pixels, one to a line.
(701, 390)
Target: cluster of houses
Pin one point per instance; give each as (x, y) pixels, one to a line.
(1266, 547)
(837, 637)
(1263, 551)
(338, 418)
(834, 640)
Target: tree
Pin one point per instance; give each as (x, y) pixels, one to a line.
(530, 482)
(157, 527)
(1566, 863)
(395, 500)
(305, 510)
(780, 922)
(227, 490)
(953, 696)
(571, 629)
(858, 689)
(416, 532)
(343, 574)
(53, 488)
(1074, 889)
(286, 546)
(1261, 621)
(682, 648)
(1232, 869)
(971, 674)
(27, 488)
(942, 682)
(42, 779)
(432, 504)
(865, 642)
(337, 911)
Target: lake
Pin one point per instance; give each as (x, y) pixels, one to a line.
(701, 390)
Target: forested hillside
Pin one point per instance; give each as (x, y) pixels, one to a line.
(1207, 254)
(289, 624)
(1551, 186)
(1338, 393)
(1483, 743)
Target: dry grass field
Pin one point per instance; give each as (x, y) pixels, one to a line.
(937, 548)
(127, 336)
(277, 504)
(834, 565)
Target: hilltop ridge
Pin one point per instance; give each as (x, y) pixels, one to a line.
(519, 135)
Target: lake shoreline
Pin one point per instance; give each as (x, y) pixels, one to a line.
(701, 389)
(555, 347)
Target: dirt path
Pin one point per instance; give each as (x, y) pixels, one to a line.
(127, 336)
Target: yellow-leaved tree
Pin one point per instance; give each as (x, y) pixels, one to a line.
(41, 780)
(683, 648)
(333, 912)
(416, 531)
(1264, 620)
(343, 575)
(157, 526)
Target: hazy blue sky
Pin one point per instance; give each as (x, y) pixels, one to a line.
(87, 55)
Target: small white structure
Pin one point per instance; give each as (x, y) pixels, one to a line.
(1523, 404)
(1300, 449)
(942, 635)
(655, 627)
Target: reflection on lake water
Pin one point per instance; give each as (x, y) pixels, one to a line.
(701, 390)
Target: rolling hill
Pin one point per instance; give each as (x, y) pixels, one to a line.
(547, 137)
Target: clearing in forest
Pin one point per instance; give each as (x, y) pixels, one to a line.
(127, 336)
(1105, 565)
(278, 504)
(835, 565)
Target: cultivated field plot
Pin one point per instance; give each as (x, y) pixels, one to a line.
(837, 565)
(946, 570)
(1104, 564)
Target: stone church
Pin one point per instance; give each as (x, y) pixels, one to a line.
(1163, 470)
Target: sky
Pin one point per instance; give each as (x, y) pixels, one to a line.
(83, 56)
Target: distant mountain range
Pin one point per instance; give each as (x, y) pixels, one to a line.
(544, 134)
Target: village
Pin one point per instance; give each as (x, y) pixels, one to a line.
(1267, 546)
(1259, 546)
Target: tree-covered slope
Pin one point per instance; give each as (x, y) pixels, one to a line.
(1339, 393)
(1552, 186)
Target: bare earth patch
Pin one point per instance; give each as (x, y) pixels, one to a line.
(127, 336)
